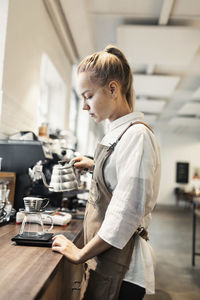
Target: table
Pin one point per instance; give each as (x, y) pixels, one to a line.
(28, 273)
(195, 213)
(182, 195)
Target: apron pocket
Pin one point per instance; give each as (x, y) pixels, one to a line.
(95, 286)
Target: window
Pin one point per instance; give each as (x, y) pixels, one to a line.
(53, 93)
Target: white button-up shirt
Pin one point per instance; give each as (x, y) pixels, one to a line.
(132, 174)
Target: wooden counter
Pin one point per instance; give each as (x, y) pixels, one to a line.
(28, 272)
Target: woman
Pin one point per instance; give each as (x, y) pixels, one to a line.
(126, 174)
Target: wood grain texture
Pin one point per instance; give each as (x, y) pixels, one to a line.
(26, 271)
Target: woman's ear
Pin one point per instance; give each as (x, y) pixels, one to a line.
(113, 88)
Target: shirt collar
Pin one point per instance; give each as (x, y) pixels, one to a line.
(125, 119)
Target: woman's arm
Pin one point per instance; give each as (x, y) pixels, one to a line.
(66, 247)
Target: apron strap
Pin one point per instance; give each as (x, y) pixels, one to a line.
(134, 123)
(112, 147)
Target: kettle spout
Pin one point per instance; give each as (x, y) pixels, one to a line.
(36, 173)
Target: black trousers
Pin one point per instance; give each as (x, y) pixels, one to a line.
(130, 291)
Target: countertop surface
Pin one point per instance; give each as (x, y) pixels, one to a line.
(24, 270)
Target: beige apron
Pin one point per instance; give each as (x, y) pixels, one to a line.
(104, 273)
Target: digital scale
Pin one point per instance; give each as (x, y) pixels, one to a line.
(30, 239)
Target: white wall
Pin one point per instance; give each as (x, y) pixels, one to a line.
(176, 148)
(3, 28)
(29, 34)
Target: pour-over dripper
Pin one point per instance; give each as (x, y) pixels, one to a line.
(34, 204)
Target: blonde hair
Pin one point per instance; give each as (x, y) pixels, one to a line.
(110, 64)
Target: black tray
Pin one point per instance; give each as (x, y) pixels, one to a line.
(28, 240)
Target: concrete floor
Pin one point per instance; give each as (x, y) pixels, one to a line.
(171, 238)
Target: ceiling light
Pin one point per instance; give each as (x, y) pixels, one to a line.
(154, 85)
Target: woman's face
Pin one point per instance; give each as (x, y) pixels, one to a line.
(98, 101)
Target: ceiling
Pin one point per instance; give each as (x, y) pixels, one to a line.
(161, 39)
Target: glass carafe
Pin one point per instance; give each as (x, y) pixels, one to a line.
(32, 225)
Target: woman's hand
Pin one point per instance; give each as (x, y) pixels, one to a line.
(94, 247)
(82, 162)
(64, 246)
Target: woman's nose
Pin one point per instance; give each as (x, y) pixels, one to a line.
(85, 106)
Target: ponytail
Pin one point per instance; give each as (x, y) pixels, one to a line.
(110, 64)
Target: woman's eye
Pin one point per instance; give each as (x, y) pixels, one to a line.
(88, 97)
